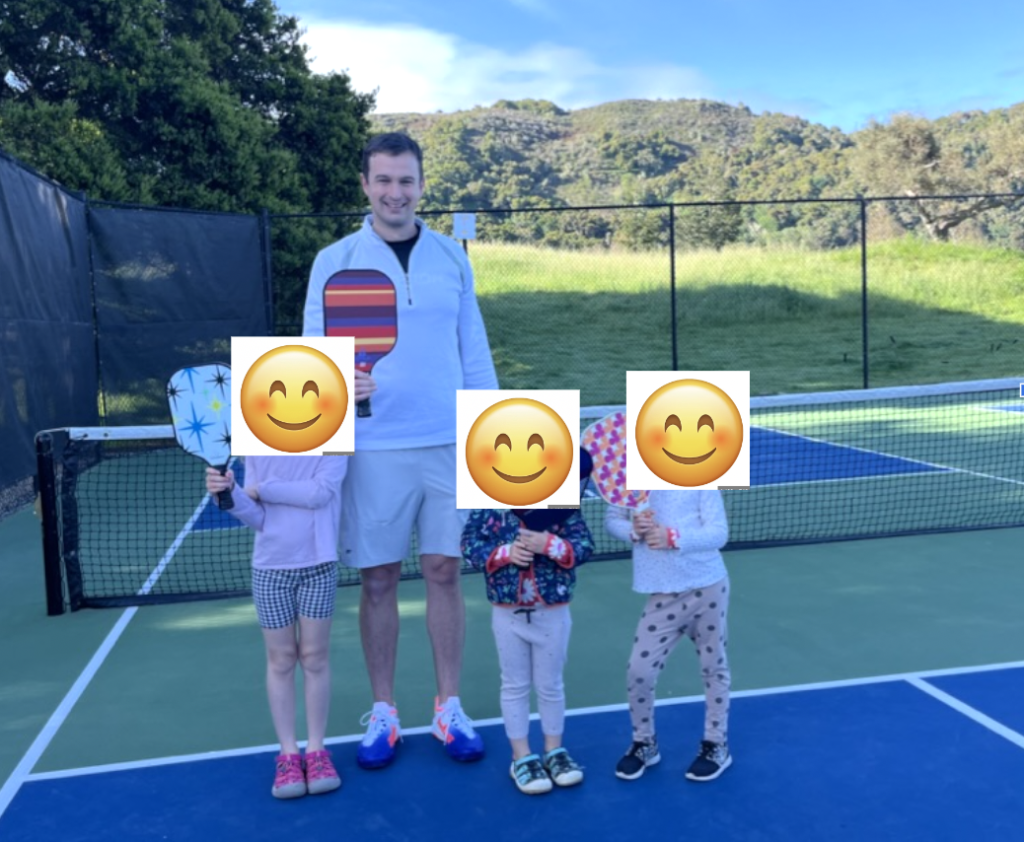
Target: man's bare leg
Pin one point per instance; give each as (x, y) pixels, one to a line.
(446, 620)
(378, 627)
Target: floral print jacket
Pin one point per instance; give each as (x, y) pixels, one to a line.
(546, 581)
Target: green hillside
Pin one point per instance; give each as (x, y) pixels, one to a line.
(532, 153)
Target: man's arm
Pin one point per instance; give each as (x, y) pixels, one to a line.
(313, 312)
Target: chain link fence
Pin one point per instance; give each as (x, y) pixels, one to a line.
(101, 302)
(806, 295)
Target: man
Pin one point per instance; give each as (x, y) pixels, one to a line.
(403, 471)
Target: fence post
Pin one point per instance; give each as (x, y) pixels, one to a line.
(672, 281)
(268, 271)
(864, 285)
(95, 311)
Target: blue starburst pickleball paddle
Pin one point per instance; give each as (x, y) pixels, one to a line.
(200, 402)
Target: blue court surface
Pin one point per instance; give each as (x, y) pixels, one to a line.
(777, 458)
(933, 757)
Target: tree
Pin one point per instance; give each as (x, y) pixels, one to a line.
(710, 177)
(205, 103)
(964, 155)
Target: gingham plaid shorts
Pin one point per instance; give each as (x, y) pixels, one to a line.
(282, 595)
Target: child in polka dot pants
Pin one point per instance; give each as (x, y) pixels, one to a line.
(677, 561)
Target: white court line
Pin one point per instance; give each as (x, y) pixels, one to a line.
(42, 741)
(970, 712)
(911, 677)
(935, 465)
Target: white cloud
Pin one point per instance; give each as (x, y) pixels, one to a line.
(418, 69)
(537, 7)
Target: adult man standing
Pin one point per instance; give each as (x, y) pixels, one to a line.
(403, 472)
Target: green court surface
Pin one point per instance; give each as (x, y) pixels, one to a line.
(188, 678)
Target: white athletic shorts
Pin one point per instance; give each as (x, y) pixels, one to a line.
(388, 492)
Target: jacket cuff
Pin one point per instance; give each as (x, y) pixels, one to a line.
(499, 558)
(559, 551)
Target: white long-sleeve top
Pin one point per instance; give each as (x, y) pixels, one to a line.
(442, 342)
(698, 516)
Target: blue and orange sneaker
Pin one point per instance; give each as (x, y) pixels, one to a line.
(377, 749)
(453, 728)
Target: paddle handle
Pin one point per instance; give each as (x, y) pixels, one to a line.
(363, 408)
(224, 499)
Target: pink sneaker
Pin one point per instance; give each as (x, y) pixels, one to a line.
(321, 775)
(289, 782)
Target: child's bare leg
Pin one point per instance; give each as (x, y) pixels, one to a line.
(282, 655)
(520, 748)
(314, 654)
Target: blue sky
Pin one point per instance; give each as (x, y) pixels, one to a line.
(841, 64)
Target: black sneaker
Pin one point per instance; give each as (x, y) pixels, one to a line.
(711, 761)
(639, 757)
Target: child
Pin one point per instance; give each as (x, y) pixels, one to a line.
(294, 504)
(676, 560)
(530, 560)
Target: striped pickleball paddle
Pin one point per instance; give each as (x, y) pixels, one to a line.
(361, 303)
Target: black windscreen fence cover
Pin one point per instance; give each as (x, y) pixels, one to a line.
(47, 347)
(172, 288)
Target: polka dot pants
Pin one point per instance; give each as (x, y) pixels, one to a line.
(700, 615)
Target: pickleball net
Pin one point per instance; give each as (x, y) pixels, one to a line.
(126, 519)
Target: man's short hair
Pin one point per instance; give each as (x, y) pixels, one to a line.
(391, 143)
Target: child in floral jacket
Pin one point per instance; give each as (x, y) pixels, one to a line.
(530, 559)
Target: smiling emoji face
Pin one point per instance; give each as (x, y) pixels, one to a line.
(519, 452)
(689, 433)
(294, 399)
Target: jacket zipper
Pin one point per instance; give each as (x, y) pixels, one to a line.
(405, 274)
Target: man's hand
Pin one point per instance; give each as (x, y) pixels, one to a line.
(364, 385)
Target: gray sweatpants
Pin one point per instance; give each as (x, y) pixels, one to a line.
(700, 615)
(532, 651)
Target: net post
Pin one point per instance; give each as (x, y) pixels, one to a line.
(102, 397)
(864, 285)
(47, 488)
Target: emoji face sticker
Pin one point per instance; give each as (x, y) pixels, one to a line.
(519, 452)
(689, 433)
(294, 398)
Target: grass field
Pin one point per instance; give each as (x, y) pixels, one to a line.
(936, 312)
(581, 319)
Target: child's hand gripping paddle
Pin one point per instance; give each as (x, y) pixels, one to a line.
(361, 303)
(606, 442)
(200, 404)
